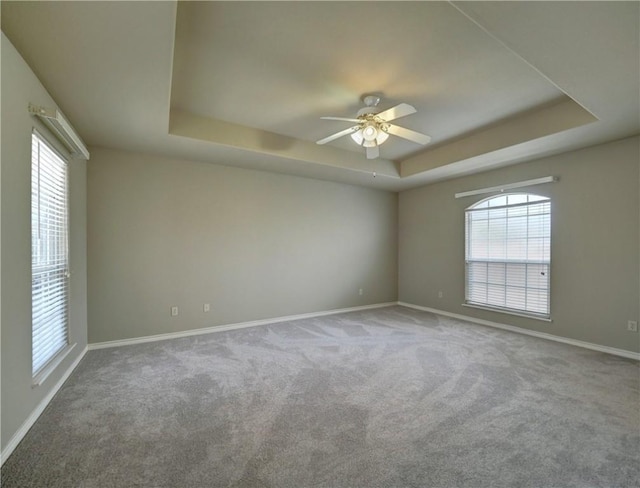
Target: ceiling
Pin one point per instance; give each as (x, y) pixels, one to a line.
(245, 83)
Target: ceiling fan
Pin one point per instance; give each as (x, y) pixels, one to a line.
(373, 127)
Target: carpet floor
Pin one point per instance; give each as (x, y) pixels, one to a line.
(391, 397)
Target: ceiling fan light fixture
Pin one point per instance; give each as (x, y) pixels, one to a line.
(382, 136)
(369, 132)
(358, 137)
(369, 136)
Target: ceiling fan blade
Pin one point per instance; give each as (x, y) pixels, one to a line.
(409, 134)
(396, 112)
(373, 152)
(335, 136)
(341, 118)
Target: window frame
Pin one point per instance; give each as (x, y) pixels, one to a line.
(55, 357)
(546, 263)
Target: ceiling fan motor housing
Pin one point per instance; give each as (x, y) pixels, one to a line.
(371, 105)
(367, 111)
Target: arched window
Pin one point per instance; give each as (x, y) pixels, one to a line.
(508, 253)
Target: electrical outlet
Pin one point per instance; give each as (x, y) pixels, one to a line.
(360, 292)
(440, 294)
(206, 307)
(632, 326)
(174, 311)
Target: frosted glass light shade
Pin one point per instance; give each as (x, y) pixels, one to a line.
(373, 138)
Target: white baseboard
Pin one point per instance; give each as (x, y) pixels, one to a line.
(239, 325)
(24, 428)
(519, 330)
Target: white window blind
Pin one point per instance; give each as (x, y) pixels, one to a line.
(49, 253)
(508, 253)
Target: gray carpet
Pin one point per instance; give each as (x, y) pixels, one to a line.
(384, 398)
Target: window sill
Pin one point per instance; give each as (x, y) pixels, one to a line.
(42, 375)
(508, 312)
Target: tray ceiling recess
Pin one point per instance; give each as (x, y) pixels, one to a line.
(259, 76)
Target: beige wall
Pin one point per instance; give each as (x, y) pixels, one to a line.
(594, 251)
(19, 87)
(254, 245)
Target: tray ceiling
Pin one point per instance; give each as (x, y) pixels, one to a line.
(245, 83)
